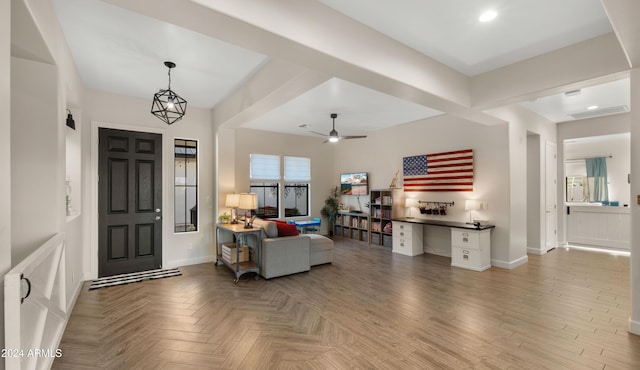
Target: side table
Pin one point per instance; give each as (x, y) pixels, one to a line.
(241, 234)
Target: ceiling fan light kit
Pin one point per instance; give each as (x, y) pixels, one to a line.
(167, 105)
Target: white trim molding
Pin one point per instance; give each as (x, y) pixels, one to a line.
(510, 265)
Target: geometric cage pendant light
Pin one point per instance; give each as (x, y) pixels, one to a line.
(167, 105)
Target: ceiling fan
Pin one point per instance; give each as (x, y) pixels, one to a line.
(333, 135)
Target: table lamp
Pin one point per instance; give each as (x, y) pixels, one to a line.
(248, 202)
(409, 203)
(233, 202)
(471, 205)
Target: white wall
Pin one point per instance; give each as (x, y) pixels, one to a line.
(249, 141)
(5, 152)
(533, 186)
(521, 122)
(35, 162)
(607, 125)
(133, 114)
(381, 153)
(635, 207)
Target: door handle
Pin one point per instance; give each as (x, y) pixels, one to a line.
(158, 218)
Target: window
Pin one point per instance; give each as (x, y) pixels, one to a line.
(185, 185)
(265, 182)
(297, 175)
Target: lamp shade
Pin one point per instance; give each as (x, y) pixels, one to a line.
(248, 201)
(411, 202)
(471, 205)
(232, 201)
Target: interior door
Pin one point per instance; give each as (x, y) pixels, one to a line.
(130, 202)
(551, 190)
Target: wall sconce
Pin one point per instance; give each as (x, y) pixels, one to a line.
(410, 203)
(471, 205)
(233, 202)
(248, 202)
(167, 105)
(70, 122)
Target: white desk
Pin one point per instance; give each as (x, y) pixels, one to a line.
(470, 245)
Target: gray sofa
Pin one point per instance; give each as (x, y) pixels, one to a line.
(291, 254)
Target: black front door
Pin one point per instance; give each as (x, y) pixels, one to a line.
(130, 202)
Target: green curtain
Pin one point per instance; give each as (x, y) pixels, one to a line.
(597, 169)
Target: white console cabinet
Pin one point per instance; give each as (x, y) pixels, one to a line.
(407, 238)
(471, 249)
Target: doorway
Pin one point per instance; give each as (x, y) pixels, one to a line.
(129, 201)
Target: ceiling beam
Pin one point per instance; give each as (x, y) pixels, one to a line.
(311, 35)
(274, 84)
(623, 16)
(593, 61)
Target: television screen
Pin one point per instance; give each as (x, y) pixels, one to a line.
(354, 183)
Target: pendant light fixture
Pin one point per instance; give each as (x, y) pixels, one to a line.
(167, 105)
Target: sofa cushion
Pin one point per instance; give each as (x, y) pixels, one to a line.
(285, 229)
(269, 227)
(320, 243)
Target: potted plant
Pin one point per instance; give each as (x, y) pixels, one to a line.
(224, 218)
(330, 209)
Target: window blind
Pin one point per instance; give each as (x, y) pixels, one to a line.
(297, 169)
(264, 167)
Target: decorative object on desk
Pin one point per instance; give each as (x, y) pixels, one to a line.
(330, 209)
(434, 208)
(233, 202)
(248, 202)
(439, 172)
(167, 105)
(333, 135)
(471, 205)
(411, 203)
(70, 122)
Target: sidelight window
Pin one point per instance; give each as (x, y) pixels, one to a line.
(185, 185)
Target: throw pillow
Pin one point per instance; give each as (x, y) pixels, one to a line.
(285, 229)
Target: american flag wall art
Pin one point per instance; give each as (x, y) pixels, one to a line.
(448, 171)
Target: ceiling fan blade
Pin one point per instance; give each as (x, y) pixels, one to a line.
(318, 133)
(353, 137)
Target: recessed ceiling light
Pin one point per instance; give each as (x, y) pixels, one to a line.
(592, 107)
(488, 16)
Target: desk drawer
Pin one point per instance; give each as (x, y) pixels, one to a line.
(403, 230)
(466, 258)
(465, 239)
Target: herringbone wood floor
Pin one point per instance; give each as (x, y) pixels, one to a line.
(370, 309)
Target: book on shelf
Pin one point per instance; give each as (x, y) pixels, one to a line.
(363, 223)
(375, 226)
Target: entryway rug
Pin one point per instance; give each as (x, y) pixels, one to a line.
(133, 277)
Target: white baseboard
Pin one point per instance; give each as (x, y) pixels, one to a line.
(190, 261)
(536, 251)
(510, 265)
(634, 327)
(76, 294)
